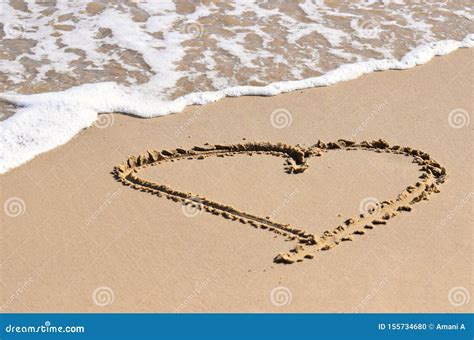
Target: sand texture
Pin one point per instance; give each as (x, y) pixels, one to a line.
(259, 189)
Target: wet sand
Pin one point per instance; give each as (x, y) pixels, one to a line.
(84, 242)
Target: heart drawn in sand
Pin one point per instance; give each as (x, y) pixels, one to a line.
(307, 244)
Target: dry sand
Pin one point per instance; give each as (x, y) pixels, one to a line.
(83, 242)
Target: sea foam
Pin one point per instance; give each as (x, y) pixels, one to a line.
(47, 120)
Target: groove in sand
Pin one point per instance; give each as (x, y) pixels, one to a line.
(307, 244)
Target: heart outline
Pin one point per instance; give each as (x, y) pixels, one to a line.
(433, 174)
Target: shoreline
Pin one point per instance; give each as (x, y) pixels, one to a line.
(64, 114)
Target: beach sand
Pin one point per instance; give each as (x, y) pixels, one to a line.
(83, 242)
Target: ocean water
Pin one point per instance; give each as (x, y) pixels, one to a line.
(64, 62)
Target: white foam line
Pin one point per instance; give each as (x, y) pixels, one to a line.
(48, 120)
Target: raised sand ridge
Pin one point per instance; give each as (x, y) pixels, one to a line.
(307, 244)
